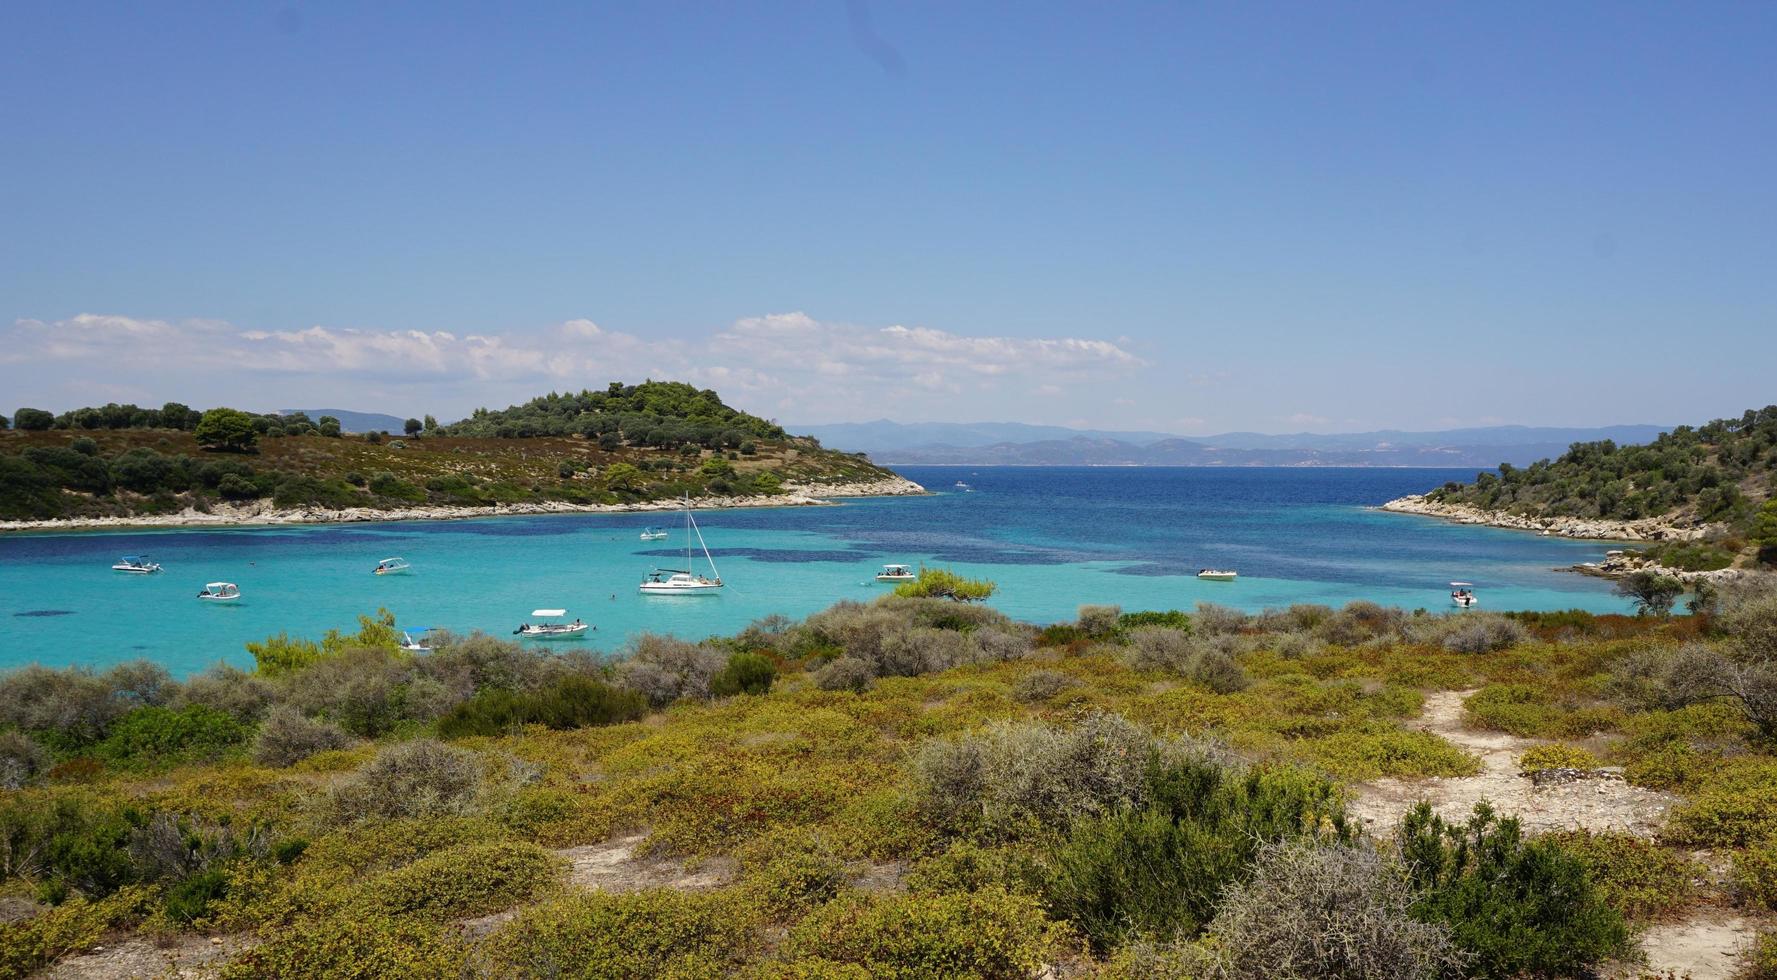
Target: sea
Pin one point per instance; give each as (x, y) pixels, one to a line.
(1052, 538)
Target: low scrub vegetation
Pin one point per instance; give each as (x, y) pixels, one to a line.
(910, 787)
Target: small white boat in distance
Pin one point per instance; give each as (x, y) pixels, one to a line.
(1218, 574)
(964, 487)
(895, 573)
(415, 639)
(681, 581)
(1463, 594)
(220, 592)
(547, 630)
(653, 534)
(391, 566)
(136, 565)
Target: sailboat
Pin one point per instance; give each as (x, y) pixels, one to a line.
(682, 581)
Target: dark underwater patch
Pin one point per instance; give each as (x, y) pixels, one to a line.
(45, 612)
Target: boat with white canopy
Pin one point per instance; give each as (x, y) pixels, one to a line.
(896, 573)
(1463, 594)
(685, 581)
(391, 566)
(136, 565)
(1218, 574)
(547, 630)
(653, 534)
(220, 592)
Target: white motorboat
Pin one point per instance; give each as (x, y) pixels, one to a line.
(964, 487)
(417, 639)
(391, 566)
(220, 592)
(1463, 594)
(684, 581)
(895, 573)
(547, 630)
(653, 534)
(1218, 574)
(136, 565)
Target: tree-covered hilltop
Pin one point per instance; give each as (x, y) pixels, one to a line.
(623, 445)
(664, 414)
(1721, 474)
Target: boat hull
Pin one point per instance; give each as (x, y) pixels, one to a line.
(565, 633)
(135, 570)
(663, 588)
(1228, 577)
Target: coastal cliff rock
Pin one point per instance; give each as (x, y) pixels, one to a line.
(262, 512)
(1645, 529)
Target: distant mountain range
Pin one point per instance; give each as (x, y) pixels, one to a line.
(350, 421)
(1015, 444)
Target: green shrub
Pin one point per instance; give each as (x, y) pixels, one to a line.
(746, 673)
(68, 840)
(1517, 709)
(1040, 685)
(845, 674)
(1755, 872)
(1515, 905)
(639, 935)
(21, 759)
(791, 871)
(164, 736)
(991, 935)
(1734, 812)
(1639, 878)
(941, 583)
(191, 899)
(1157, 872)
(1171, 619)
(1760, 962)
(1314, 910)
(571, 702)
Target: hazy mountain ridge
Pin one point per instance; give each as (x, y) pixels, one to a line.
(1486, 447)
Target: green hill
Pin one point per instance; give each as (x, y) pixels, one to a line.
(1717, 477)
(625, 444)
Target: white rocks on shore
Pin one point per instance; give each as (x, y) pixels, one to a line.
(1645, 529)
(261, 512)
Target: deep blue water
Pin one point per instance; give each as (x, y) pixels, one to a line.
(1053, 538)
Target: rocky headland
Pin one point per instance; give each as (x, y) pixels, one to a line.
(1643, 529)
(262, 512)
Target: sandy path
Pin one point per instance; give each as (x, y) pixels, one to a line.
(1593, 804)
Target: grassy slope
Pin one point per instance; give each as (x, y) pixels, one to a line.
(504, 470)
(799, 768)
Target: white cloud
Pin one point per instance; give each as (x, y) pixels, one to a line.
(789, 363)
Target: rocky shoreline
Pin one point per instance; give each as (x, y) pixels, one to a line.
(1644, 529)
(262, 513)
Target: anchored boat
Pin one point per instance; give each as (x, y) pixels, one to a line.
(136, 565)
(391, 566)
(220, 592)
(1463, 594)
(653, 534)
(1218, 574)
(683, 581)
(547, 630)
(895, 573)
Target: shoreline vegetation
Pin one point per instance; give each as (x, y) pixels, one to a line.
(1701, 502)
(623, 448)
(916, 786)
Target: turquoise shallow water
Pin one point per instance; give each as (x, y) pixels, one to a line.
(1052, 538)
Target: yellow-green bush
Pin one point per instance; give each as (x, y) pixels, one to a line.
(992, 935)
(1733, 809)
(1557, 757)
(640, 935)
(1638, 877)
(1380, 750)
(1755, 872)
(790, 871)
(351, 948)
(28, 944)
(459, 882)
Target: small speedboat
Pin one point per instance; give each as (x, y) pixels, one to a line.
(220, 592)
(136, 565)
(391, 566)
(1462, 594)
(653, 534)
(547, 630)
(1218, 574)
(964, 487)
(895, 573)
(416, 639)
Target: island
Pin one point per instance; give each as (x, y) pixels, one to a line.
(649, 446)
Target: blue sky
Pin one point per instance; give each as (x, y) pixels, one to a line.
(1192, 217)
